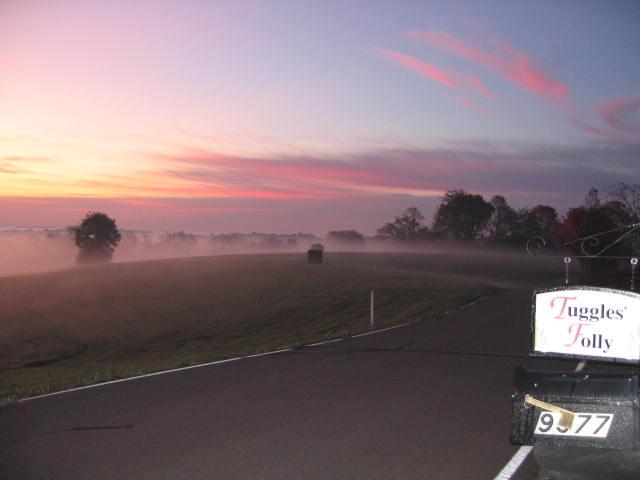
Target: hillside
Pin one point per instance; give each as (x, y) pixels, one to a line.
(93, 324)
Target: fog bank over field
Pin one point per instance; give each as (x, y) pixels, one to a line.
(25, 250)
(31, 250)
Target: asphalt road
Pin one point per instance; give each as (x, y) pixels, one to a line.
(425, 401)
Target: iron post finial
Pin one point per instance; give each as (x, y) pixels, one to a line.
(567, 262)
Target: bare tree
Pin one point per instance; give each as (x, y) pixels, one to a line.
(628, 195)
(407, 226)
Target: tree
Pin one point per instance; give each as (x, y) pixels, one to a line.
(539, 221)
(462, 215)
(227, 240)
(629, 196)
(595, 218)
(407, 226)
(502, 224)
(179, 240)
(345, 236)
(271, 241)
(96, 236)
(597, 229)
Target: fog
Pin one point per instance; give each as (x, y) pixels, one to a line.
(28, 251)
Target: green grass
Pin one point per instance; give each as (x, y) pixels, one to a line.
(95, 324)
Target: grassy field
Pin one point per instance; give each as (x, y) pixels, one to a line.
(95, 324)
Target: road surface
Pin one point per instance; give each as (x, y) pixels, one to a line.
(426, 401)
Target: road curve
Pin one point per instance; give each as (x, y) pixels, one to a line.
(425, 401)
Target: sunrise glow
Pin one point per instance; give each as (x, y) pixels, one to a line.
(248, 114)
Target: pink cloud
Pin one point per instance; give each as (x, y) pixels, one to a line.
(512, 64)
(479, 85)
(465, 102)
(427, 70)
(294, 178)
(614, 135)
(620, 113)
(586, 127)
(205, 191)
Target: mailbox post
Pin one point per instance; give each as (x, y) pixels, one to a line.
(582, 425)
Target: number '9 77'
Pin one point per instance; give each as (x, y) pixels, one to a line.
(584, 425)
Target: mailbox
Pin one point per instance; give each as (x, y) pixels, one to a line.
(605, 408)
(582, 425)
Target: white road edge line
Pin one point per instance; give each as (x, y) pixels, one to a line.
(128, 379)
(514, 464)
(473, 303)
(218, 362)
(381, 330)
(324, 342)
(523, 452)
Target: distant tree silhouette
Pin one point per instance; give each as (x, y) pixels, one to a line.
(629, 196)
(502, 224)
(461, 215)
(271, 241)
(227, 240)
(539, 221)
(597, 218)
(345, 236)
(179, 240)
(407, 226)
(96, 236)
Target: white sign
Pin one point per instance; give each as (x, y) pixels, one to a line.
(587, 322)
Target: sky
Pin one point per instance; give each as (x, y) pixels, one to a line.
(307, 116)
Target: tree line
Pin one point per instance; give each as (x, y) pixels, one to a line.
(464, 216)
(461, 216)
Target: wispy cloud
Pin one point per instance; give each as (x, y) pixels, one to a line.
(619, 121)
(20, 164)
(515, 169)
(193, 187)
(426, 69)
(508, 62)
(622, 114)
(466, 103)
(479, 85)
(287, 178)
(460, 84)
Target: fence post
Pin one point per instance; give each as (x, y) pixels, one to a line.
(371, 324)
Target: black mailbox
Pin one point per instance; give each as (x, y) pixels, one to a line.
(583, 425)
(605, 407)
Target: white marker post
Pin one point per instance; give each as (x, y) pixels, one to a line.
(371, 320)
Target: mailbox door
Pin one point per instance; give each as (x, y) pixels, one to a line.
(606, 407)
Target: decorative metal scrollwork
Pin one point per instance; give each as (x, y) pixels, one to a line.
(536, 245)
(590, 246)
